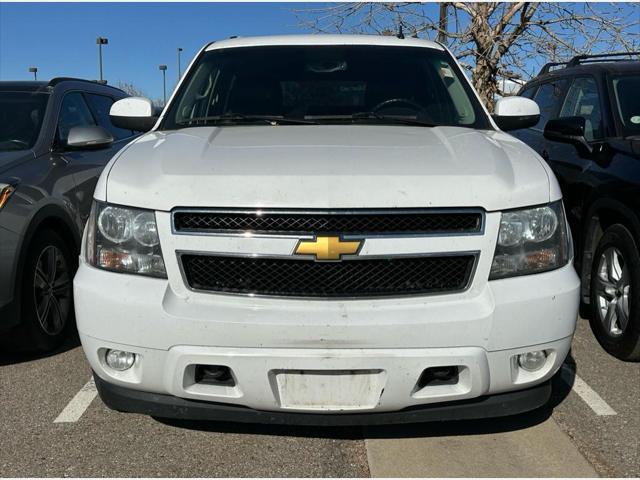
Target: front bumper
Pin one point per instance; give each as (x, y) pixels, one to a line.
(167, 406)
(480, 331)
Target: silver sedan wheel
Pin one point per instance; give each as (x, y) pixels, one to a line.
(52, 290)
(612, 291)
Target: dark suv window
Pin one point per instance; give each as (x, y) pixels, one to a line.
(583, 100)
(73, 113)
(527, 92)
(548, 98)
(101, 105)
(21, 115)
(626, 88)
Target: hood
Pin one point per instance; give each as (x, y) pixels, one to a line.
(327, 166)
(11, 158)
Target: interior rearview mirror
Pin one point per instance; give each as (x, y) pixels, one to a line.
(133, 113)
(89, 137)
(568, 130)
(514, 113)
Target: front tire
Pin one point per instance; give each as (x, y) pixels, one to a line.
(47, 293)
(615, 299)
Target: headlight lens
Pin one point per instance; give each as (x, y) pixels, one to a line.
(124, 240)
(531, 240)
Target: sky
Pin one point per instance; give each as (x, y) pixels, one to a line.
(60, 39)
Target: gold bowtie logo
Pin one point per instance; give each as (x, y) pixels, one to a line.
(328, 248)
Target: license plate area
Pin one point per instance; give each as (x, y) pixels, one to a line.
(329, 390)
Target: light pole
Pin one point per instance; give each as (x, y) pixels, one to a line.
(34, 70)
(443, 23)
(179, 67)
(101, 41)
(163, 68)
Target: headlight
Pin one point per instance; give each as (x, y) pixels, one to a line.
(531, 240)
(5, 192)
(124, 239)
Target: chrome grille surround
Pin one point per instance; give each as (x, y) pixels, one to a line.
(249, 274)
(346, 222)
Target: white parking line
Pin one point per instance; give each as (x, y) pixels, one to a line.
(78, 404)
(590, 397)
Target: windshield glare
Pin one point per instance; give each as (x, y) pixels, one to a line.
(626, 88)
(21, 115)
(325, 84)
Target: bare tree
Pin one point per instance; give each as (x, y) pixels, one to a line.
(131, 89)
(493, 39)
(134, 91)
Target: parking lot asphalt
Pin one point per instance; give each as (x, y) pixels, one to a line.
(590, 428)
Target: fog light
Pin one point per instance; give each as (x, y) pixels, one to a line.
(120, 360)
(532, 361)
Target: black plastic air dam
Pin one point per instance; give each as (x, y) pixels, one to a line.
(167, 406)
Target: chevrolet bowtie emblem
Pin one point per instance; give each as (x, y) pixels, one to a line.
(328, 248)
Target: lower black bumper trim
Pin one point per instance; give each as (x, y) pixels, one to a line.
(167, 406)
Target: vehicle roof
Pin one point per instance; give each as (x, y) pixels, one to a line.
(45, 86)
(284, 40)
(616, 66)
(12, 86)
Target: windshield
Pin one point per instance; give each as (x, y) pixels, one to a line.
(626, 88)
(21, 115)
(325, 84)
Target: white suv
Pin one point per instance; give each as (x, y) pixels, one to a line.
(326, 229)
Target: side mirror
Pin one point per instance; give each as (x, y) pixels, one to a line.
(133, 113)
(568, 130)
(90, 137)
(514, 113)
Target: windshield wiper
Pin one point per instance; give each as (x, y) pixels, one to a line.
(231, 118)
(391, 118)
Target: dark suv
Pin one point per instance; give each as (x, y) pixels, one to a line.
(589, 133)
(55, 139)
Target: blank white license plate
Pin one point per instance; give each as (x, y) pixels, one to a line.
(330, 389)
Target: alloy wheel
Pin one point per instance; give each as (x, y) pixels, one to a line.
(52, 290)
(612, 285)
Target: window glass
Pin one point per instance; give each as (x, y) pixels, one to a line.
(627, 92)
(74, 113)
(548, 98)
(528, 92)
(101, 105)
(326, 85)
(21, 115)
(583, 100)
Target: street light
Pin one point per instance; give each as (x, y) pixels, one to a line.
(34, 70)
(101, 41)
(179, 67)
(163, 69)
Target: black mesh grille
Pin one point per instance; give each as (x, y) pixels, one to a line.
(394, 222)
(350, 278)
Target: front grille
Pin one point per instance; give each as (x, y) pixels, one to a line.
(394, 276)
(344, 222)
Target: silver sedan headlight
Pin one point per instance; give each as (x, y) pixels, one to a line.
(531, 240)
(123, 239)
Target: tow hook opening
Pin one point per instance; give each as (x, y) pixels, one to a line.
(434, 376)
(214, 375)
